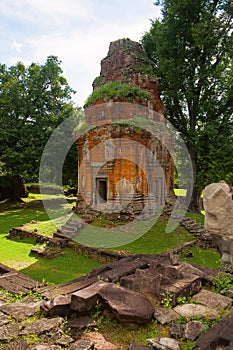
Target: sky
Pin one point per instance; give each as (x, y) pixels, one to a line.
(78, 32)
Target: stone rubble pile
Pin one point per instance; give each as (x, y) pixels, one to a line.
(130, 290)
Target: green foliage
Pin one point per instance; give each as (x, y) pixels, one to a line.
(167, 299)
(98, 81)
(115, 89)
(97, 314)
(181, 300)
(34, 100)
(222, 281)
(15, 297)
(191, 48)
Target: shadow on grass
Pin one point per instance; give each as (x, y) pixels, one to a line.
(13, 215)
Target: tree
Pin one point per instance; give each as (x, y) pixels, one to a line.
(191, 48)
(33, 102)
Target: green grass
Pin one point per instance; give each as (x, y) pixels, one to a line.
(197, 217)
(209, 258)
(156, 240)
(16, 253)
(123, 334)
(116, 89)
(61, 269)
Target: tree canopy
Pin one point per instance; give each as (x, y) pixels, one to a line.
(191, 47)
(34, 100)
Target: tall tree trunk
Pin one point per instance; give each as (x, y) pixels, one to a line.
(194, 205)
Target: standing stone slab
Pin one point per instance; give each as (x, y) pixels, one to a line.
(126, 305)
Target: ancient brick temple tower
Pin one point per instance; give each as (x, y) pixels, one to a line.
(125, 167)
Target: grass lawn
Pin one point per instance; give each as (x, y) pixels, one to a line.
(156, 240)
(60, 269)
(16, 253)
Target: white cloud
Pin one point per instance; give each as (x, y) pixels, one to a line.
(16, 46)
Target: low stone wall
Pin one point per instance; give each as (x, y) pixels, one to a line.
(45, 189)
(101, 255)
(21, 233)
(105, 256)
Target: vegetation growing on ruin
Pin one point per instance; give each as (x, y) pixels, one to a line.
(116, 89)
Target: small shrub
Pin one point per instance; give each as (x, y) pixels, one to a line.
(167, 300)
(181, 300)
(222, 281)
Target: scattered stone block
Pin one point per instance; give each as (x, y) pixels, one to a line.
(43, 347)
(208, 273)
(213, 300)
(134, 346)
(176, 330)
(59, 305)
(190, 310)
(4, 319)
(65, 340)
(20, 310)
(187, 269)
(126, 305)
(18, 344)
(165, 315)
(9, 331)
(219, 336)
(159, 279)
(193, 329)
(164, 344)
(82, 345)
(85, 299)
(228, 293)
(80, 324)
(123, 268)
(142, 281)
(43, 325)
